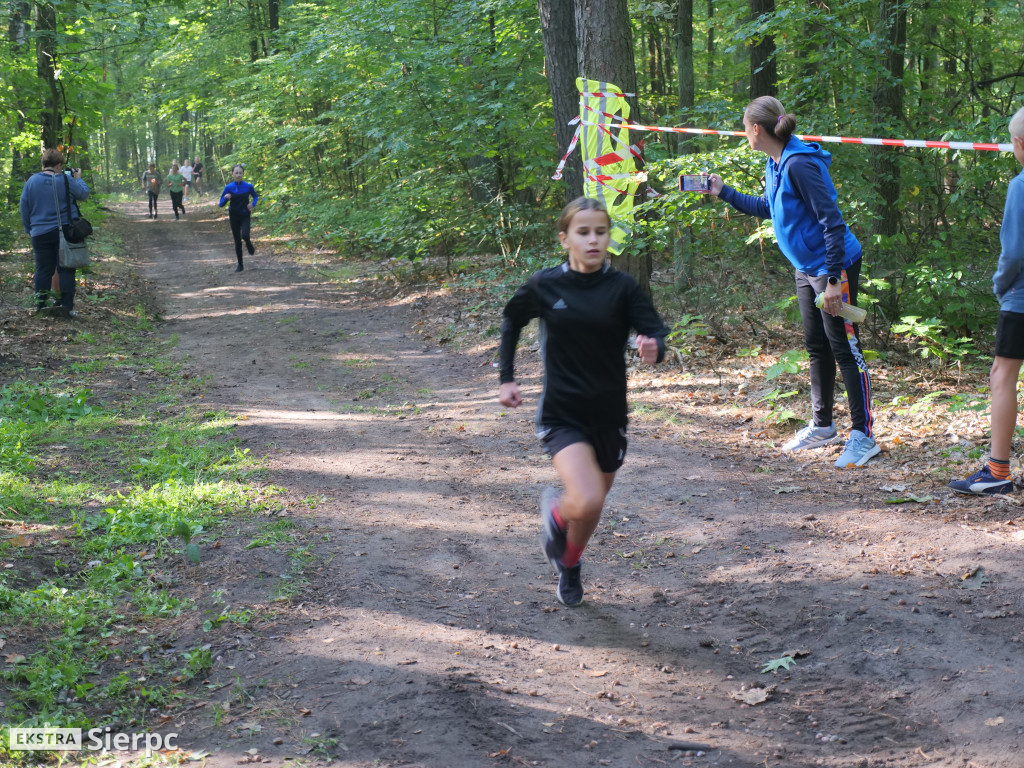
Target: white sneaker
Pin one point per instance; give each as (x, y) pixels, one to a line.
(812, 437)
(858, 451)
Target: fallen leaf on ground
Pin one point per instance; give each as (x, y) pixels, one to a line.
(773, 666)
(753, 696)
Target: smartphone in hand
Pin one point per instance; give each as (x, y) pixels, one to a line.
(694, 182)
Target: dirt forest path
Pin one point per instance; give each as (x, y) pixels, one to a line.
(425, 631)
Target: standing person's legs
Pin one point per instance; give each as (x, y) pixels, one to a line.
(1003, 380)
(45, 248)
(819, 351)
(994, 476)
(67, 288)
(845, 343)
(236, 233)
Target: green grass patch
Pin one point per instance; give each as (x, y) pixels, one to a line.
(96, 490)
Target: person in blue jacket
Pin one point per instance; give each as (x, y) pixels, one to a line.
(1008, 286)
(800, 199)
(236, 196)
(41, 196)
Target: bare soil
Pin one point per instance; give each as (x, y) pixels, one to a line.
(423, 630)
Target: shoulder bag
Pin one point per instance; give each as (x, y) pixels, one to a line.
(76, 230)
(71, 255)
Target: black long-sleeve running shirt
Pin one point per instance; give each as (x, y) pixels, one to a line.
(585, 320)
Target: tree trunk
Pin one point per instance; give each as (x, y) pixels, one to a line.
(558, 29)
(682, 241)
(606, 53)
(686, 82)
(763, 73)
(49, 112)
(888, 114)
(22, 165)
(711, 40)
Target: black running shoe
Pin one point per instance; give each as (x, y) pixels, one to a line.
(238, 268)
(570, 587)
(250, 247)
(552, 538)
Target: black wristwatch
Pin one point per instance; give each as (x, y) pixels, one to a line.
(833, 280)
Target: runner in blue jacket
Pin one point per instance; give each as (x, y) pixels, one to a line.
(800, 199)
(236, 195)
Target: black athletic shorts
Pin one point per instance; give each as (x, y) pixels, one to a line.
(1010, 335)
(609, 445)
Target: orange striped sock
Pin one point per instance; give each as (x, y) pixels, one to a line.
(999, 469)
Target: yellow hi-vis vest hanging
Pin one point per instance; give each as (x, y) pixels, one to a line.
(611, 165)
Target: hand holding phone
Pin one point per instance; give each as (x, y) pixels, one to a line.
(694, 182)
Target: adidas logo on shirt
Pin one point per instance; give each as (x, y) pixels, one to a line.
(560, 304)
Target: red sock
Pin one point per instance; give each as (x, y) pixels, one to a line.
(572, 554)
(999, 469)
(558, 519)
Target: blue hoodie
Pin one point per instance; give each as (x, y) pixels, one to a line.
(800, 199)
(239, 200)
(1008, 281)
(38, 214)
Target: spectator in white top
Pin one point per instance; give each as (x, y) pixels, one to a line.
(186, 171)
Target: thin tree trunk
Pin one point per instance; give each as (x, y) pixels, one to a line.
(49, 112)
(888, 114)
(606, 53)
(21, 165)
(686, 82)
(763, 73)
(558, 30)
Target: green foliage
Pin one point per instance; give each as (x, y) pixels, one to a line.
(408, 131)
(788, 363)
(779, 413)
(929, 339)
(685, 332)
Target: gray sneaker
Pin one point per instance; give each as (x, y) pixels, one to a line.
(858, 451)
(570, 586)
(812, 437)
(552, 538)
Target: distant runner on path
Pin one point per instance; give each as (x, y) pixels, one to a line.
(586, 310)
(197, 176)
(175, 185)
(236, 195)
(186, 172)
(151, 182)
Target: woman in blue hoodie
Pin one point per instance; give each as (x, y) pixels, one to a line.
(44, 208)
(800, 199)
(236, 196)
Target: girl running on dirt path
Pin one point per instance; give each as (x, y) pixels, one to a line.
(586, 309)
(176, 186)
(237, 193)
(800, 199)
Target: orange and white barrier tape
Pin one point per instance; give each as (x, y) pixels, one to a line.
(918, 143)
